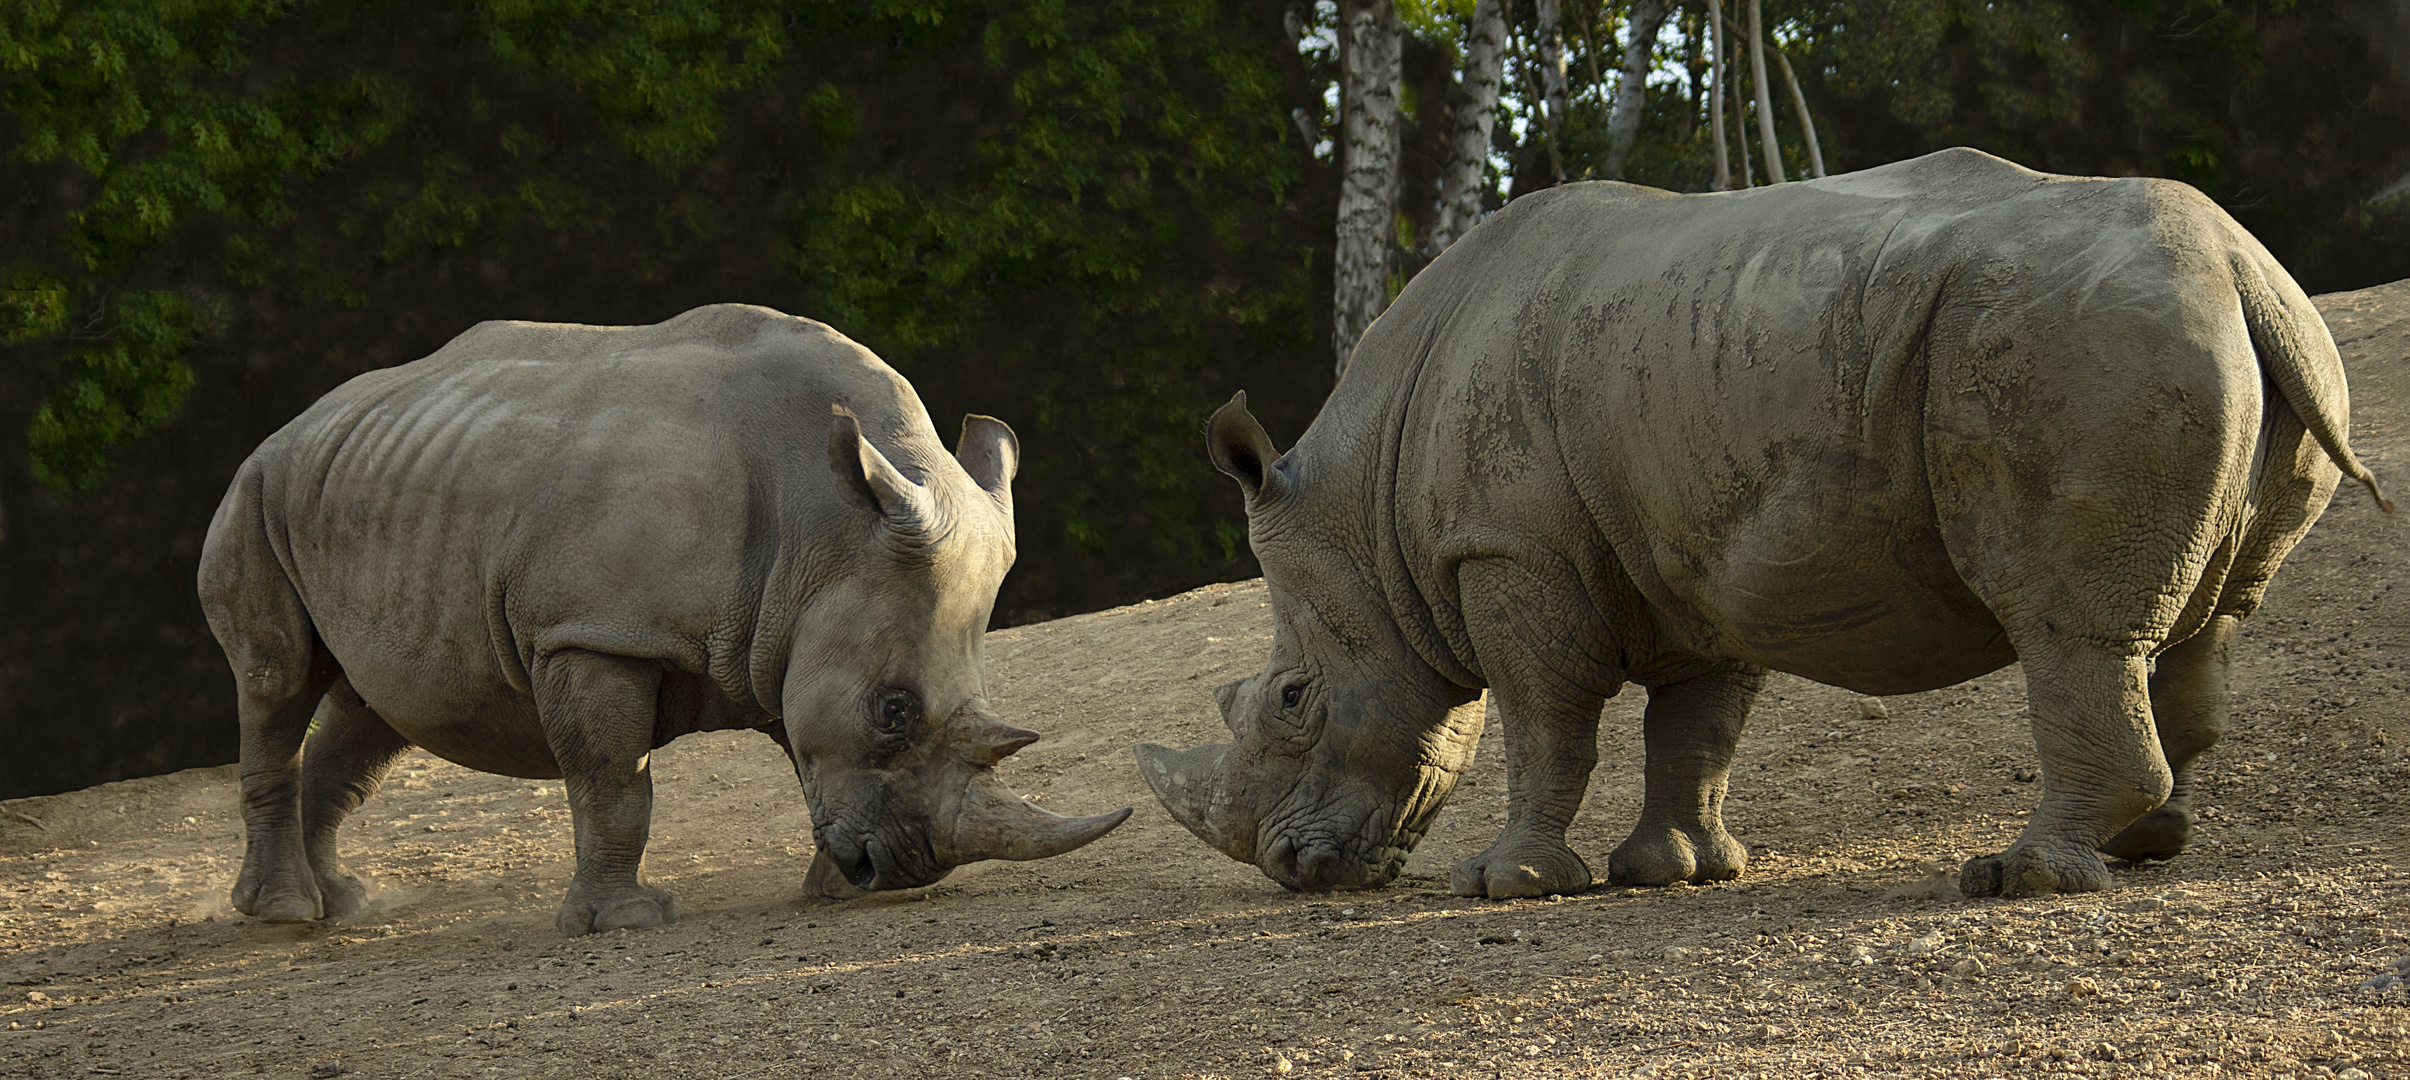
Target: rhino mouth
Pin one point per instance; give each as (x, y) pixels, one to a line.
(1322, 864)
(873, 863)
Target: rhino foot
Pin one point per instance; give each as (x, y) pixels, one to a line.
(627, 909)
(2160, 834)
(2034, 870)
(341, 894)
(1526, 869)
(1668, 854)
(278, 896)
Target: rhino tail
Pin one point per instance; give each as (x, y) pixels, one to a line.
(2296, 354)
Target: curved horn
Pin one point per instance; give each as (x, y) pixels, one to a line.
(1194, 785)
(994, 823)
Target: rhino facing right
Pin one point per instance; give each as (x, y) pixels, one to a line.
(1889, 431)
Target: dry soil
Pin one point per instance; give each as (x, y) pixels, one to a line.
(2279, 946)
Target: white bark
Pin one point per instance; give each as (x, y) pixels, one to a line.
(1461, 183)
(1715, 93)
(1806, 123)
(1552, 81)
(1368, 186)
(1765, 97)
(1631, 86)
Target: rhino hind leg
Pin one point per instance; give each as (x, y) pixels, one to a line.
(598, 713)
(1691, 731)
(2101, 769)
(344, 763)
(280, 670)
(1551, 746)
(2189, 703)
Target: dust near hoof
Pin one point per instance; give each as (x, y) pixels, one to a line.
(1531, 871)
(633, 910)
(1658, 857)
(2025, 870)
(2163, 833)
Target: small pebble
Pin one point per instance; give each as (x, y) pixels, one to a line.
(1871, 708)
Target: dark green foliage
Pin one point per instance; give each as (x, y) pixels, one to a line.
(1085, 219)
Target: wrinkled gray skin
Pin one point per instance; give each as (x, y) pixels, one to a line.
(1889, 431)
(548, 549)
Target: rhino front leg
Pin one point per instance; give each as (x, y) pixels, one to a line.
(1551, 746)
(1691, 731)
(2190, 706)
(2101, 769)
(343, 764)
(598, 713)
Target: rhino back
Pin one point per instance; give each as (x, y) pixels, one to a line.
(658, 491)
(1732, 391)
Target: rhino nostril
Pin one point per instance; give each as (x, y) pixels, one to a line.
(1280, 861)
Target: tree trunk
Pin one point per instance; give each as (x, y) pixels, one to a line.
(1806, 123)
(1740, 115)
(1552, 83)
(1631, 87)
(1765, 97)
(1460, 185)
(1368, 186)
(1715, 93)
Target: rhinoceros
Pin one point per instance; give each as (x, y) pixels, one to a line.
(1889, 431)
(546, 550)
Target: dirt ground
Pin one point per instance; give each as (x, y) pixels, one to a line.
(1844, 951)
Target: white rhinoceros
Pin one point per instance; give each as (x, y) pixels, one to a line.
(1889, 431)
(546, 550)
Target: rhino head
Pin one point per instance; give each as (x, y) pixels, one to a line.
(884, 699)
(1349, 740)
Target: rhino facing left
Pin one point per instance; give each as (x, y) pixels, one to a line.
(546, 550)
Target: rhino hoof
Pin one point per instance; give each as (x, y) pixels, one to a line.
(1501, 875)
(2160, 834)
(1659, 857)
(343, 894)
(633, 909)
(287, 901)
(2025, 870)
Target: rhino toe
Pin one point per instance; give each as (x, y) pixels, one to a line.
(634, 909)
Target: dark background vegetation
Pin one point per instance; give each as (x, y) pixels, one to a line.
(1094, 220)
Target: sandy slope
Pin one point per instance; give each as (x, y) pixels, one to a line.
(1840, 953)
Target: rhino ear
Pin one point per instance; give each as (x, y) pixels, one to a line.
(869, 475)
(1239, 447)
(991, 454)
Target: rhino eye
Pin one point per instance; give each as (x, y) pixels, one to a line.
(1291, 695)
(898, 711)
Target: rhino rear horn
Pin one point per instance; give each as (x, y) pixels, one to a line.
(994, 823)
(870, 475)
(991, 453)
(1239, 447)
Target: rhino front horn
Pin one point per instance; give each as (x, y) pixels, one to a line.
(994, 823)
(1194, 786)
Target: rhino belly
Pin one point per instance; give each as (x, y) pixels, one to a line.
(1852, 588)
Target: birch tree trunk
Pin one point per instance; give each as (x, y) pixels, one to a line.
(1740, 117)
(1460, 184)
(1765, 97)
(1806, 123)
(1368, 100)
(1631, 87)
(1552, 82)
(1715, 93)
